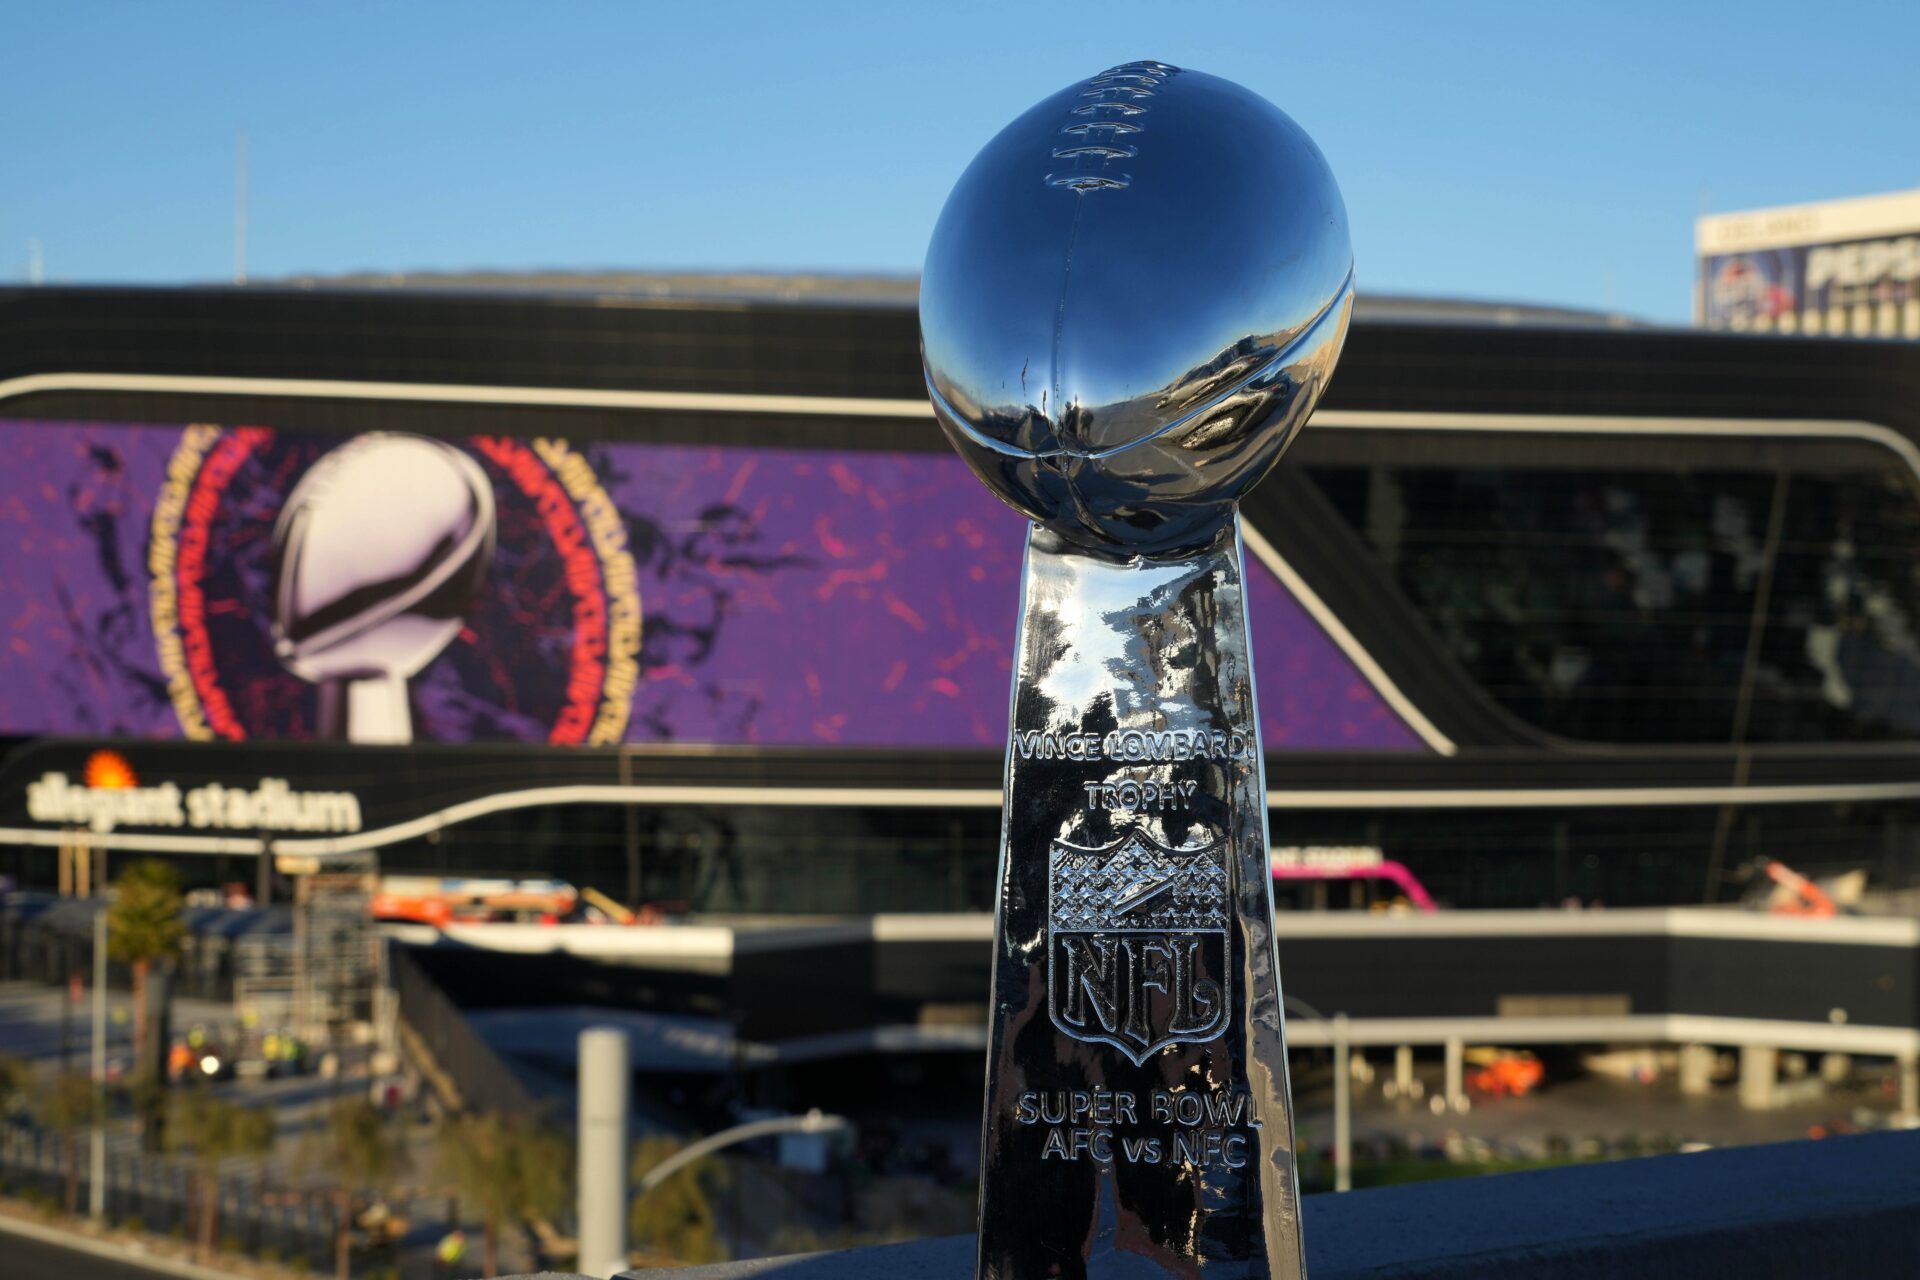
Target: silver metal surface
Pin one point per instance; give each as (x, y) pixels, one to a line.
(377, 554)
(1133, 299)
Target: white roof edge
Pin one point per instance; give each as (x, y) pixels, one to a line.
(1818, 222)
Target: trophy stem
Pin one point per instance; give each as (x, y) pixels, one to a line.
(372, 709)
(1138, 1120)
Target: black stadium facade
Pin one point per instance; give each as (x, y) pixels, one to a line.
(1641, 606)
(685, 600)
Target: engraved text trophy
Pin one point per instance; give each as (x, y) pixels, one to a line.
(1133, 298)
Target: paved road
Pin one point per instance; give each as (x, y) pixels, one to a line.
(31, 1260)
(36, 1023)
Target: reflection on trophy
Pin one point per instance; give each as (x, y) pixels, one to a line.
(377, 555)
(1132, 300)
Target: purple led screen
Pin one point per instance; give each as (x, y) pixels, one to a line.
(633, 592)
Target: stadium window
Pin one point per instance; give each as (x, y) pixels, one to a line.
(1839, 658)
(1718, 597)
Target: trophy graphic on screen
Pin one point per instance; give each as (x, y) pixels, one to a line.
(1132, 301)
(377, 555)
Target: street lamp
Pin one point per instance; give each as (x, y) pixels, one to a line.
(813, 1121)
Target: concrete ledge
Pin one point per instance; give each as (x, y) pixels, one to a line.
(115, 1250)
(1842, 1208)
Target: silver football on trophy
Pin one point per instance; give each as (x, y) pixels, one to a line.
(377, 555)
(1132, 300)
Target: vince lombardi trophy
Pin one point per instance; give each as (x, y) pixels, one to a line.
(377, 556)
(1133, 299)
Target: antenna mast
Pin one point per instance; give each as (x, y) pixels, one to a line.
(240, 209)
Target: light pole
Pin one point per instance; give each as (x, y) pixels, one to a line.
(97, 1162)
(606, 1080)
(1342, 1107)
(1342, 1090)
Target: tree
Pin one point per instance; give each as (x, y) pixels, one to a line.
(512, 1167)
(215, 1131)
(675, 1220)
(68, 1104)
(15, 1076)
(145, 924)
(360, 1151)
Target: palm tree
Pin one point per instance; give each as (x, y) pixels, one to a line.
(68, 1104)
(145, 924)
(511, 1166)
(215, 1131)
(675, 1220)
(15, 1075)
(360, 1150)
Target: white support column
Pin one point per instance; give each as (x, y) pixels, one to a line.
(1456, 1094)
(1696, 1069)
(1759, 1077)
(605, 1083)
(1404, 1085)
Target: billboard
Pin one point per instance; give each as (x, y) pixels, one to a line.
(1842, 268)
(241, 584)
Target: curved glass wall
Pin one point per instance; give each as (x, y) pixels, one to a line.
(1645, 590)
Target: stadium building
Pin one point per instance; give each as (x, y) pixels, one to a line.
(1841, 267)
(672, 589)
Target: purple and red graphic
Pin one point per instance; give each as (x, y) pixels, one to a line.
(537, 590)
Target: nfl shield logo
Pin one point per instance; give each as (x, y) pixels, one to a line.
(1137, 943)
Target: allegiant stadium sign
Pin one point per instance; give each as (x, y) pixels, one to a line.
(271, 805)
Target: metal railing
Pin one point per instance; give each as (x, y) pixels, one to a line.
(482, 1079)
(161, 1194)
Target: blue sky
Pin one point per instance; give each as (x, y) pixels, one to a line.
(1551, 152)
